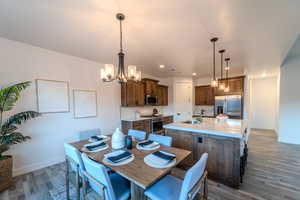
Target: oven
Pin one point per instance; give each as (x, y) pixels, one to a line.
(157, 125)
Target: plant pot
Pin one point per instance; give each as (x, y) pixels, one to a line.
(6, 172)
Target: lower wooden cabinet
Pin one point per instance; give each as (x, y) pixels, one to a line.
(168, 120)
(223, 154)
(142, 125)
(182, 141)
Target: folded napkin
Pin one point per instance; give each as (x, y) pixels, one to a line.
(121, 157)
(97, 138)
(145, 143)
(164, 156)
(95, 147)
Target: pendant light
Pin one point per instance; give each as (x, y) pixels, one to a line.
(222, 84)
(227, 89)
(107, 73)
(214, 81)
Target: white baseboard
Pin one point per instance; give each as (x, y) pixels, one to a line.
(36, 166)
(288, 140)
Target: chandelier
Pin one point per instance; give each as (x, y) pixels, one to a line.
(108, 72)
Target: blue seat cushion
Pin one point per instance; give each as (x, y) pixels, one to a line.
(168, 188)
(121, 186)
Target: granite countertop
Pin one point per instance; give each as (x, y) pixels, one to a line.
(229, 128)
(143, 118)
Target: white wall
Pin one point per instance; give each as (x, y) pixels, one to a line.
(263, 103)
(22, 62)
(289, 110)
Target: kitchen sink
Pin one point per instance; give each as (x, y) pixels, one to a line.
(191, 122)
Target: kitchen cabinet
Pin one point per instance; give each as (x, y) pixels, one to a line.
(204, 95)
(183, 141)
(236, 86)
(162, 95)
(132, 94)
(150, 87)
(168, 120)
(142, 125)
(223, 163)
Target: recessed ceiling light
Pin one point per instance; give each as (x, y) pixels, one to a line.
(194, 74)
(263, 74)
(161, 66)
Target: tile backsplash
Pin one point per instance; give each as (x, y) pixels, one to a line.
(208, 110)
(131, 112)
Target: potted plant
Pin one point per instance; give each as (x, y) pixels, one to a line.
(9, 134)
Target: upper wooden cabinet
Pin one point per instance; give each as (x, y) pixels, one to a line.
(132, 94)
(236, 86)
(150, 87)
(204, 95)
(162, 95)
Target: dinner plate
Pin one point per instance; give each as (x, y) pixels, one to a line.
(114, 153)
(150, 162)
(105, 138)
(84, 149)
(156, 145)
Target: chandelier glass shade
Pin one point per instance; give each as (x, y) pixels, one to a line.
(214, 81)
(108, 72)
(221, 83)
(227, 89)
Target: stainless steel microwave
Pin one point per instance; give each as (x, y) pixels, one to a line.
(150, 100)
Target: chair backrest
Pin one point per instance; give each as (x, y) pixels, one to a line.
(75, 155)
(192, 176)
(99, 172)
(84, 135)
(164, 140)
(138, 135)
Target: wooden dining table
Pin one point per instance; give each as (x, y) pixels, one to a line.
(140, 175)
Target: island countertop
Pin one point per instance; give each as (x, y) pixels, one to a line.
(229, 128)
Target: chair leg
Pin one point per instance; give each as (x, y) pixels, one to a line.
(67, 180)
(84, 187)
(77, 183)
(205, 189)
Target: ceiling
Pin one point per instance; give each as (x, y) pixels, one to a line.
(256, 34)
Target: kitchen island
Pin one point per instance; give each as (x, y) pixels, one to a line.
(223, 140)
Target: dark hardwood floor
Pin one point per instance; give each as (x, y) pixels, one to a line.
(273, 173)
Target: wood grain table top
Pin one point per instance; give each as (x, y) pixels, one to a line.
(137, 171)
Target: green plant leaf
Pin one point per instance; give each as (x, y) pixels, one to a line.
(10, 95)
(14, 138)
(19, 118)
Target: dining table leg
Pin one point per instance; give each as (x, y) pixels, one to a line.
(137, 193)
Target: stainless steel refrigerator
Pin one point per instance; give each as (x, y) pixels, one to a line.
(230, 105)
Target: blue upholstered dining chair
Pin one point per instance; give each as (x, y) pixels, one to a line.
(74, 163)
(113, 186)
(172, 188)
(138, 135)
(84, 135)
(164, 140)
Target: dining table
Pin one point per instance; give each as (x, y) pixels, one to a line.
(140, 175)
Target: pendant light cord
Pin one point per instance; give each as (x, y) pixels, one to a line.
(221, 65)
(121, 37)
(214, 62)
